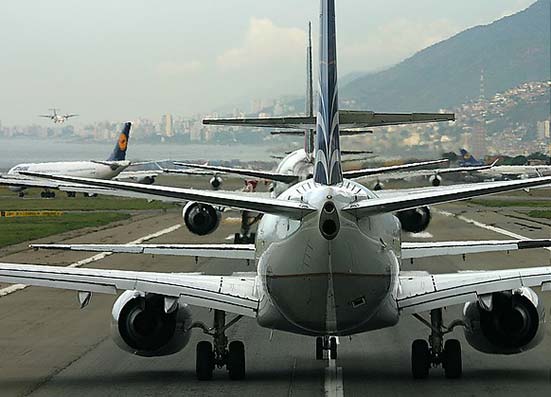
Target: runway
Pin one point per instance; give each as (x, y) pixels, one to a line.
(48, 347)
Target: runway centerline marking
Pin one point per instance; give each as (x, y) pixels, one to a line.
(102, 255)
(333, 380)
(487, 227)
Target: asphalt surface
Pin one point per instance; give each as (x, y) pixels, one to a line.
(48, 347)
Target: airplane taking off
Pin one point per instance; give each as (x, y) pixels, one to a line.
(328, 253)
(58, 118)
(108, 169)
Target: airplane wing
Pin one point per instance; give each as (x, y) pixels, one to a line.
(348, 119)
(421, 291)
(223, 251)
(414, 198)
(48, 116)
(70, 115)
(394, 168)
(442, 248)
(284, 178)
(292, 209)
(235, 294)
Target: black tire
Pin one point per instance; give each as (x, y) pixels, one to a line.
(420, 359)
(21, 194)
(453, 365)
(52, 194)
(43, 194)
(333, 348)
(252, 238)
(204, 361)
(236, 360)
(237, 238)
(319, 348)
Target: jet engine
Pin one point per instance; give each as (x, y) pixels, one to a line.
(435, 180)
(415, 220)
(146, 180)
(201, 219)
(216, 182)
(507, 323)
(150, 325)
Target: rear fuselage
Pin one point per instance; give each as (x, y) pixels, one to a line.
(317, 286)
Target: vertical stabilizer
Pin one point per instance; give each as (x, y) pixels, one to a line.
(309, 133)
(327, 166)
(119, 153)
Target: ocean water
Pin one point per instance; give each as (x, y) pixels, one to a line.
(23, 150)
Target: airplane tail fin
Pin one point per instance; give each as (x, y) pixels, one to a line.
(309, 133)
(327, 166)
(467, 158)
(119, 152)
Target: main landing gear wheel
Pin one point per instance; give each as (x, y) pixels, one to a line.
(453, 366)
(47, 194)
(21, 194)
(420, 359)
(434, 353)
(219, 354)
(71, 194)
(204, 363)
(236, 360)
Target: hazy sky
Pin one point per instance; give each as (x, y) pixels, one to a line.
(122, 59)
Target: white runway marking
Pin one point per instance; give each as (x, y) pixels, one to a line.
(421, 235)
(18, 287)
(487, 227)
(333, 380)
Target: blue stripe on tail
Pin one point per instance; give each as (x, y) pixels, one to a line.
(119, 153)
(327, 167)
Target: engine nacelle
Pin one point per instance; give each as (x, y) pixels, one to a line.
(201, 219)
(146, 180)
(435, 180)
(513, 324)
(140, 325)
(216, 182)
(415, 220)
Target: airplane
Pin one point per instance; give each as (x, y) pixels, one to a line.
(468, 160)
(108, 169)
(330, 238)
(57, 118)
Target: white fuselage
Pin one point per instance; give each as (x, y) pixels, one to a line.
(315, 286)
(295, 163)
(83, 169)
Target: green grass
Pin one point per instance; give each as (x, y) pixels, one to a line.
(507, 203)
(540, 214)
(17, 230)
(32, 201)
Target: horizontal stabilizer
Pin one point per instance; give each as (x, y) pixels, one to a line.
(222, 251)
(394, 168)
(431, 196)
(274, 176)
(292, 209)
(348, 119)
(443, 248)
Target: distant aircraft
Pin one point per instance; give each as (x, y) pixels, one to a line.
(57, 118)
(468, 160)
(328, 256)
(106, 169)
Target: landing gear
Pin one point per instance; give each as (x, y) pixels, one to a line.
(247, 221)
(47, 194)
(328, 344)
(433, 353)
(71, 194)
(243, 239)
(220, 354)
(21, 194)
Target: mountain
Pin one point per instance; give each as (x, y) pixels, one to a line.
(511, 51)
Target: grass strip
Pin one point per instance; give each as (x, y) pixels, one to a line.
(20, 229)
